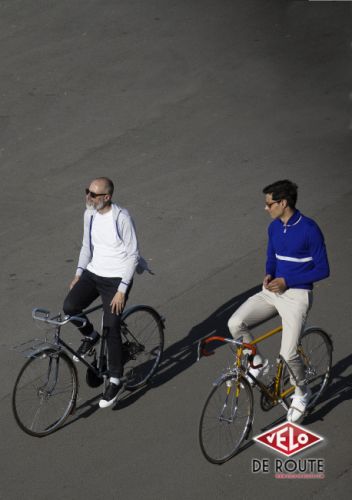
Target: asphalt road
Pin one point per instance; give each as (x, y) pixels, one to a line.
(191, 107)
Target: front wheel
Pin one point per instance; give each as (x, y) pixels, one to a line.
(142, 331)
(226, 419)
(45, 393)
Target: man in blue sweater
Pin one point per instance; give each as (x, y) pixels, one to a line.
(296, 258)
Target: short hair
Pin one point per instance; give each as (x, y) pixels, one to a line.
(283, 190)
(108, 183)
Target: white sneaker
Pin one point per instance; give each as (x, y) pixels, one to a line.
(298, 406)
(255, 372)
(111, 394)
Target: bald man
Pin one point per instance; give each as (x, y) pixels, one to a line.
(107, 262)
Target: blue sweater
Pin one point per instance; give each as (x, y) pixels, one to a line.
(296, 252)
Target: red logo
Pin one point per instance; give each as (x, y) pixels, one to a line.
(288, 439)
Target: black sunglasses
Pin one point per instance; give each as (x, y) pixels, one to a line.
(94, 195)
(269, 205)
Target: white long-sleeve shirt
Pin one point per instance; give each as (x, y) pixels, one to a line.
(109, 246)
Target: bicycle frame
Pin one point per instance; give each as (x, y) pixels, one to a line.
(273, 395)
(59, 343)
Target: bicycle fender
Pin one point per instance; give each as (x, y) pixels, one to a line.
(36, 351)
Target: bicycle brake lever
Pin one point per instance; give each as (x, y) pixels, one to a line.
(202, 352)
(198, 351)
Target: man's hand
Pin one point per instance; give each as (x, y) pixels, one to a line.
(277, 285)
(267, 280)
(74, 281)
(118, 303)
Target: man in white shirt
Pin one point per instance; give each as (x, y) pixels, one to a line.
(107, 261)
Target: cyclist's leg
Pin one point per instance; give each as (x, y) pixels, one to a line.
(80, 297)
(255, 310)
(293, 307)
(107, 289)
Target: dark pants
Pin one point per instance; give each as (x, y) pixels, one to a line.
(88, 288)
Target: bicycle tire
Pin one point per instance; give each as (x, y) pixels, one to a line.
(315, 348)
(45, 393)
(226, 419)
(143, 338)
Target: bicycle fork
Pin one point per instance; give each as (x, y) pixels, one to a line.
(230, 406)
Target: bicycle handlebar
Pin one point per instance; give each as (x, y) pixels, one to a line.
(39, 314)
(202, 352)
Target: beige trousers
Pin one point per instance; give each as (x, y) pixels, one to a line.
(292, 306)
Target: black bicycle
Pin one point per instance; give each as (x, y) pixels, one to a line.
(45, 391)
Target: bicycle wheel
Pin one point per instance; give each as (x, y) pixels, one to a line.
(226, 419)
(45, 393)
(315, 349)
(142, 332)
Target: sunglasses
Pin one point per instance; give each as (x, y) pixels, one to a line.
(94, 195)
(269, 205)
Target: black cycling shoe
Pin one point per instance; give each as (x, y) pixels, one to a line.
(111, 394)
(85, 349)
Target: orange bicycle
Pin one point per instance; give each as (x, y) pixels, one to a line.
(227, 416)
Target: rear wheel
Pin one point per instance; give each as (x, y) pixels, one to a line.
(142, 333)
(45, 393)
(315, 349)
(226, 419)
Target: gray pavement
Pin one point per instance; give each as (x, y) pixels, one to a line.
(191, 107)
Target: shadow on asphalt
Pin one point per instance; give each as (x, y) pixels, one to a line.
(89, 407)
(182, 354)
(85, 410)
(176, 358)
(339, 390)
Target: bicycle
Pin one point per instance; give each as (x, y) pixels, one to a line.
(227, 416)
(46, 388)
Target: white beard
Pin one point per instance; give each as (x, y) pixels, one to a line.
(91, 206)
